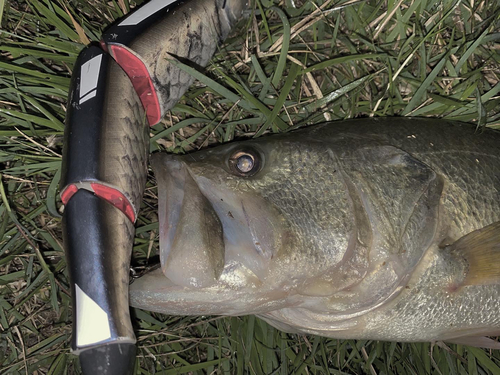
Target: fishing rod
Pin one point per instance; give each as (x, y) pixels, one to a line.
(119, 89)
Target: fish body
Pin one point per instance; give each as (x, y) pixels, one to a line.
(368, 229)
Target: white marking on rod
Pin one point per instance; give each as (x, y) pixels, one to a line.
(145, 11)
(92, 325)
(88, 96)
(89, 75)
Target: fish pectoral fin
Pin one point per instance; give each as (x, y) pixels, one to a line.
(477, 341)
(481, 250)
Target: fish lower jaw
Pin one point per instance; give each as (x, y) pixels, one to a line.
(234, 276)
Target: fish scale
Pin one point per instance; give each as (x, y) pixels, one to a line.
(426, 299)
(471, 195)
(309, 209)
(124, 138)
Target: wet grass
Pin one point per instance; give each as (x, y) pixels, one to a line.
(290, 65)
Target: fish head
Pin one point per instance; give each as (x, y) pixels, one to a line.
(213, 203)
(237, 218)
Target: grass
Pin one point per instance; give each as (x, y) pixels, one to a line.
(293, 65)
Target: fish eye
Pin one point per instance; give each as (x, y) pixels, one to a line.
(244, 163)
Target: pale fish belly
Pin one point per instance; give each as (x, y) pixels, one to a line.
(430, 307)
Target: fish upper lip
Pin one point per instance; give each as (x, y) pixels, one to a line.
(191, 234)
(242, 226)
(160, 167)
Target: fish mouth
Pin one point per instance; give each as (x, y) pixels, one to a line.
(191, 235)
(209, 264)
(209, 232)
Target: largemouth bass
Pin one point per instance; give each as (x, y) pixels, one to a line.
(385, 229)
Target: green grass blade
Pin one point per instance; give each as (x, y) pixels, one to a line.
(280, 67)
(285, 90)
(424, 86)
(337, 93)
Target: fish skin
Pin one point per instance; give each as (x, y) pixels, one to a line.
(124, 138)
(345, 206)
(191, 32)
